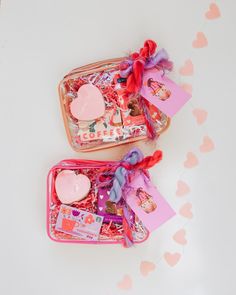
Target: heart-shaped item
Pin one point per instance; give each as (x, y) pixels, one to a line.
(200, 115)
(213, 11)
(207, 145)
(172, 258)
(89, 103)
(186, 211)
(187, 69)
(200, 41)
(182, 188)
(179, 237)
(191, 160)
(146, 267)
(71, 187)
(126, 283)
(187, 87)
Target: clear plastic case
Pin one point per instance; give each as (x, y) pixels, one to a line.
(99, 113)
(111, 229)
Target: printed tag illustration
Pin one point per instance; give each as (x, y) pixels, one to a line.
(147, 203)
(79, 223)
(163, 92)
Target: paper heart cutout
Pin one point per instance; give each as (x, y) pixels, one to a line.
(213, 11)
(191, 160)
(187, 87)
(179, 237)
(146, 267)
(187, 68)
(185, 211)
(71, 187)
(200, 41)
(126, 283)
(200, 115)
(89, 103)
(172, 258)
(182, 188)
(207, 145)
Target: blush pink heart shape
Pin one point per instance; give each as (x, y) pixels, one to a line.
(172, 258)
(200, 41)
(207, 145)
(182, 188)
(185, 211)
(179, 237)
(187, 87)
(89, 103)
(71, 187)
(191, 160)
(187, 69)
(200, 115)
(213, 12)
(146, 267)
(125, 283)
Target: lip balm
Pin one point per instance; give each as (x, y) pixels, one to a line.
(71, 187)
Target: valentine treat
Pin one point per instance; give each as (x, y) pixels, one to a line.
(100, 202)
(120, 100)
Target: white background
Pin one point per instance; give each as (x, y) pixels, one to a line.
(40, 41)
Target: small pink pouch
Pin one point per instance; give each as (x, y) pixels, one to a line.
(111, 231)
(100, 112)
(83, 205)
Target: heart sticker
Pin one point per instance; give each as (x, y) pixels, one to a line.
(89, 103)
(71, 187)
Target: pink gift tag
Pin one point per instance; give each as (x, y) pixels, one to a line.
(147, 203)
(163, 93)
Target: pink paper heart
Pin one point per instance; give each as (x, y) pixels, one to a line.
(191, 160)
(213, 11)
(71, 187)
(200, 115)
(172, 258)
(182, 188)
(179, 237)
(187, 68)
(200, 41)
(146, 267)
(207, 145)
(187, 87)
(89, 103)
(125, 283)
(185, 211)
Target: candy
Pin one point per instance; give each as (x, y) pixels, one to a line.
(71, 187)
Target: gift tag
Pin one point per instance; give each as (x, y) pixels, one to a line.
(163, 92)
(79, 223)
(147, 203)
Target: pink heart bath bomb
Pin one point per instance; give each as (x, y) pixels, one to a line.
(71, 187)
(89, 103)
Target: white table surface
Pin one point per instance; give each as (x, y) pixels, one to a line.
(40, 41)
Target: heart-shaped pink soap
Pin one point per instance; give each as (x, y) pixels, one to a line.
(89, 103)
(71, 187)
